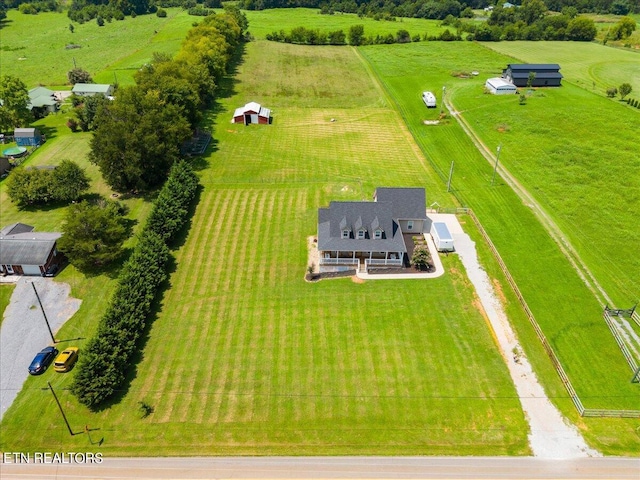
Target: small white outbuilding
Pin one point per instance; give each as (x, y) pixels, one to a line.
(500, 86)
(441, 237)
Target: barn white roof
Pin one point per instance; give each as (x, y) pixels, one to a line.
(252, 107)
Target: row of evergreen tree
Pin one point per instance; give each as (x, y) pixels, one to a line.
(149, 122)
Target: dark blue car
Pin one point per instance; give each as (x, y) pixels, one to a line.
(42, 360)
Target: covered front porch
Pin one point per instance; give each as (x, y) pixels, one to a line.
(358, 260)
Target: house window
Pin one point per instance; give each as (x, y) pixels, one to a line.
(10, 269)
(360, 234)
(345, 233)
(410, 225)
(377, 234)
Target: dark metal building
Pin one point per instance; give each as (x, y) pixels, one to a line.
(546, 74)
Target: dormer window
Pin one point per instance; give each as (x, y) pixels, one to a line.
(345, 233)
(377, 234)
(361, 234)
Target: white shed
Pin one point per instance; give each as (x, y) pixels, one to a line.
(499, 86)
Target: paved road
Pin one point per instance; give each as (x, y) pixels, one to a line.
(333, 467)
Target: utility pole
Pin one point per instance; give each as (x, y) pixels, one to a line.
(495, 167)
(450, 175)
(44, 314)
(61, 411)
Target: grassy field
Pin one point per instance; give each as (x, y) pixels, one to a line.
(261, 362)
(585, 181)
(112, 52)
(262, 22)
(591, 66)
(564, 307)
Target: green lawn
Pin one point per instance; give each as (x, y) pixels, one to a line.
(245, 357)
(562, 304)
(262, 22)
(112, 52)
(5, 296)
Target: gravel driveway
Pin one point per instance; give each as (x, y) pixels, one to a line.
(24, 332)
(551, 435)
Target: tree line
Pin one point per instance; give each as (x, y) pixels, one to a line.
(147, 124)
(436, 9)
(107, 358)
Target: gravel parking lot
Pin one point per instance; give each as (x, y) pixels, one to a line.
(24, 331)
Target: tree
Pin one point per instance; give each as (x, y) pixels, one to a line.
(612, 92)
(78, 75)
(403, 36)
(581, 29)
(87, 112)
(137, 139)
(232, 10)
(624, 90)
(356, 35)
(420, 258)
(15, 98)
(531, 11)
(34, 186)
(70, 181)
(29, 186)
(625, 27)
(94, 233)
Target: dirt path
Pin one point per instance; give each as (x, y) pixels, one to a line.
(551, 435)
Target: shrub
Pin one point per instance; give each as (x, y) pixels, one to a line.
(72, 123)
(162, 13)
(612, 92)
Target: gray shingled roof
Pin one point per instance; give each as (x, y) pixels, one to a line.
(391, 205)
(15, 228)
(355, 215)
(20, 247)
(408, 203)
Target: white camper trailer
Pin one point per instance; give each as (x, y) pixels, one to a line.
(429, 99)
(441, 237)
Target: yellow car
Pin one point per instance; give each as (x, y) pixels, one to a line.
(65, 361)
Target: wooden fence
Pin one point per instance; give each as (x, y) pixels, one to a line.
(584, 412)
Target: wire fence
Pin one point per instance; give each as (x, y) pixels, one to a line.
(584, 412)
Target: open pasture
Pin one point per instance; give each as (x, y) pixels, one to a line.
(112, 52)
(262, 22)
(580, 170)
(562, 304)
(591, 66)
(245, 357)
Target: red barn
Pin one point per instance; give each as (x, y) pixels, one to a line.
(252, 112)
